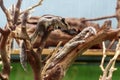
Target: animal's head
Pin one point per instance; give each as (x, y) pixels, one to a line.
(52, 22)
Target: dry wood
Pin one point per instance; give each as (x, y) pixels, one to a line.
(101, 18)
(103, 57)
(8, 16)
(111, 44)
(61, 64)
(110, 68)
(32, 7)
(5, 48)
(17, 11)
(60, 60)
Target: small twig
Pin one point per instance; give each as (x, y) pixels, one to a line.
(12, 10)
(100, 18)
(57, 48)
(104, 56)
(32, 7)
(111, 44)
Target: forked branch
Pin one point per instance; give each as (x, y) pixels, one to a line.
(32, 7)
(103, 57)
(59, 62)
(110, 68)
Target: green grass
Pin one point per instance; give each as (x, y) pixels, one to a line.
(17, 72)
(83, 72)
(75, 72)
(87, 72)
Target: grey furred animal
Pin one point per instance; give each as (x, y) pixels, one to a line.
(45, 25)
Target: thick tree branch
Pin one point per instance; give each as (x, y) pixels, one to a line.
(5, 57)
(60, 65)
(8, 16)
(5, 44)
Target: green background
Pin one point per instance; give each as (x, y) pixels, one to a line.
(78, 71)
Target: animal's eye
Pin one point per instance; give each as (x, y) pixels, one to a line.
(59, 27)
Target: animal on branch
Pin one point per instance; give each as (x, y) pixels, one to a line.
(45, 25)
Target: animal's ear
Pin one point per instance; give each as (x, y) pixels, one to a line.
(63, 20)
(65, 23)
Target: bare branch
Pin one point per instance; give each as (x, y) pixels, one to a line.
(8, 16)
(17, 11)
(111, 44)
(32, 7)
(101, 18)
(60, 64)
(103, 58)
(57, 47)
(110, 68)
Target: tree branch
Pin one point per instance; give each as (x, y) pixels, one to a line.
(32, 7)
(103, 58)
(109, 69)
(5, 57)
(17, 11)
(60, 65)
(101, 18)
(8, 16)
(33, 57)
